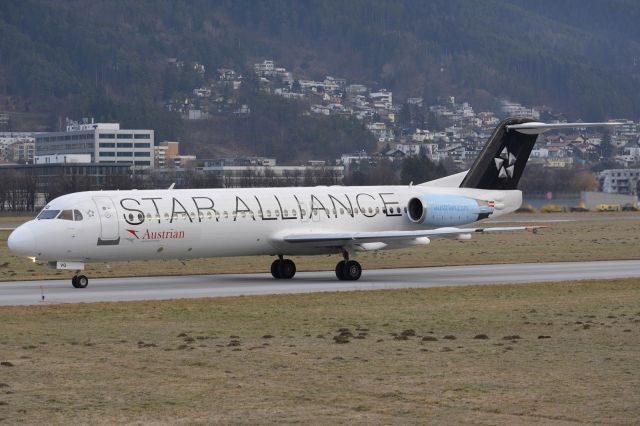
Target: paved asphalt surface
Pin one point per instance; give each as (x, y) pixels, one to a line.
(195, 286)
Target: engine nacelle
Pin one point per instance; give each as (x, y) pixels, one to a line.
(446, 210)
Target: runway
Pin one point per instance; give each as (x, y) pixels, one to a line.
(196, 286)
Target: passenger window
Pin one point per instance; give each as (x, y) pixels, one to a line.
(77, 216)
(293, 212)
(66, 215)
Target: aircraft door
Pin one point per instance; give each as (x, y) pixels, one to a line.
(108, 221)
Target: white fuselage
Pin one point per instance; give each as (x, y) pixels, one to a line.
(200, 223)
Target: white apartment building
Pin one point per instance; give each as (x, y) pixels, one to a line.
(104, 142)
(514, 109)
(382, 99)
(621, 181)
(24, 141)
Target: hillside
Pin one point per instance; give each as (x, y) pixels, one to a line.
(109, 59)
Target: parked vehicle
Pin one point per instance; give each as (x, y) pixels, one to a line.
(608, 208)
(528, 208)
(579, 208)
(553, 208)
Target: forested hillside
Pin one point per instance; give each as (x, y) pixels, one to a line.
(109, 59)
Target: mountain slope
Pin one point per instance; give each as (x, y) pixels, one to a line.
(90, 57)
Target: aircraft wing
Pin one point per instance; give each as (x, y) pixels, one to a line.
(342, 238)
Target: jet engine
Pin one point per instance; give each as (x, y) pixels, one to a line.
(447, 210)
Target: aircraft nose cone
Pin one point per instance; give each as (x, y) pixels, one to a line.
(22, 241)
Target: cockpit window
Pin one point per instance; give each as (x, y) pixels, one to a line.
(48, 214)
(77, 215)
(66, 215)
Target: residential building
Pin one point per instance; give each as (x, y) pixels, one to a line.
(21, 152)
(382, 99)
(9, 138)
(354, 158)
(164, 152)
(356, 89)
(514, 109)
(621, 181)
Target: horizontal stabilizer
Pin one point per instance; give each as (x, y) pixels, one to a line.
(537, 128)
(501, 162)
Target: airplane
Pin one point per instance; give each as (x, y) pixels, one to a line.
(101, 226)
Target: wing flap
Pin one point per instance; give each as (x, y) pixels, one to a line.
(342, 238)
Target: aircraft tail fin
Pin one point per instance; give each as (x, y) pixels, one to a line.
(502, 161)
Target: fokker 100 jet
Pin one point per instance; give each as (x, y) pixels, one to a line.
(99, 226)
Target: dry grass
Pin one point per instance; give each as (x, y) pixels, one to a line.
(589, 237)
(274, 359)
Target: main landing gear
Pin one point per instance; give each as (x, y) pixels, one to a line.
(79, 281)
(283, 269)
(348, 270)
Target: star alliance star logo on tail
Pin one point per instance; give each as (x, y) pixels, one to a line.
(505, 163)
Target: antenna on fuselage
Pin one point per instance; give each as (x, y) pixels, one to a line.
(172, 185)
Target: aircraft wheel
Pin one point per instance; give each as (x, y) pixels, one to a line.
(340, 270)
(287, 269)
(353, 270)
(275, 268)
(80, 281)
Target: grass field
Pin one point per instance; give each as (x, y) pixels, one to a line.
(560, 353)
(585, 237)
